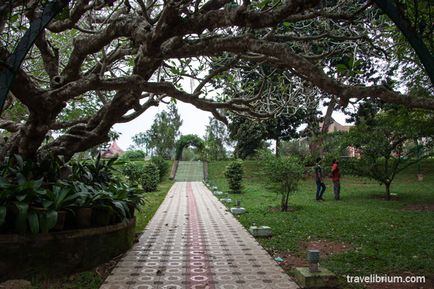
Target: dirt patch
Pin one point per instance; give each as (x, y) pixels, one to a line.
(383, 197)
(429, 283)
(326, 247)
(278, 209)
(357, 184)
(290, 261)
(419, 208)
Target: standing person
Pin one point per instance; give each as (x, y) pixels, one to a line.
(320, 186)
(336, 178)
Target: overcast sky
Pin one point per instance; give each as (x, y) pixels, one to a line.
(193, 122)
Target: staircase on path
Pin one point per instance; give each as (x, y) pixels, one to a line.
(189, 171)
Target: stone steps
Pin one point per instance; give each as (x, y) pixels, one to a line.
(189, 171)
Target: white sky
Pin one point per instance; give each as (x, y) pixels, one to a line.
(194, 121)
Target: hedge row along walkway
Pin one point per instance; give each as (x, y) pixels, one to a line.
(193, 242)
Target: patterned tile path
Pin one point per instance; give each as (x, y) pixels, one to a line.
(192, 242)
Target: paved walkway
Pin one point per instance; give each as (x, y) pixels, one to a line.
(189, 171)
(192, 242)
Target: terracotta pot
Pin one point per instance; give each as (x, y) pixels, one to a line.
(61, 215)
(84, 217)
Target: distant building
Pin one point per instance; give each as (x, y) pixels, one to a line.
(337, 127)
(113, 151)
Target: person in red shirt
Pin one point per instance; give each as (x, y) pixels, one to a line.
(336, 178)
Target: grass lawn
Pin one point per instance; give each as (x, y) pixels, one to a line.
(381, 236)
(93, 279)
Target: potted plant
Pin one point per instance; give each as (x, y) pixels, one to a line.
(102, 209)
(84, 203)
(61, 198)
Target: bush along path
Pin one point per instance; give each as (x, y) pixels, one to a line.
(193, 242)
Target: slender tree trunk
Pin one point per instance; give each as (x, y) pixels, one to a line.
(277, 146)
(284, 206)
(387, 191)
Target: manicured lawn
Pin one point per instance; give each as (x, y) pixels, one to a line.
(383, 238)
(93, 279)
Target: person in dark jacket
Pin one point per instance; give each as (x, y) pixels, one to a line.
(336, 178)
(320, 186)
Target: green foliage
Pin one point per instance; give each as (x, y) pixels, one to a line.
(99, 172)
(150, 177)
(61, 196)
(188, 140)
(215, 138)
(234, 176)
(250, 135)
(32, 193)
(140, 141)
(160, 138)
(132, 155)
(133, 172)
(284, 172)
(162, 165)
(388, 146)
(296, 147)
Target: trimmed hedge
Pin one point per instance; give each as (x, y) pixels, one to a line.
(234, 175)
(150, 177)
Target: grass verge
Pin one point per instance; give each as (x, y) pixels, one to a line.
(383, 238)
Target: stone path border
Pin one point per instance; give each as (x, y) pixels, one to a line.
(193, 242)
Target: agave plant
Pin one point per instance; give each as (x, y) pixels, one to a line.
(99, 172)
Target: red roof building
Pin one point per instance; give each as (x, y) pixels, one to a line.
(113, 151)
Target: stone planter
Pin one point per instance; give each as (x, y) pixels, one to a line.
(101, 216)
(64, 252)
(83, 217)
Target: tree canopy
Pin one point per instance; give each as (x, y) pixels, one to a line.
(160, 138)
(97, 64)
(389, 142)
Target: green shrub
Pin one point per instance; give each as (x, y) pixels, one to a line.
(234, 175)
(132, 155)
(162, 165)
(285, 173)
(150, 177)
(133, 172)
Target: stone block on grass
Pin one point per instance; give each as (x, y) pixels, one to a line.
(324, 278)
(238, 210)
(260, 231)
